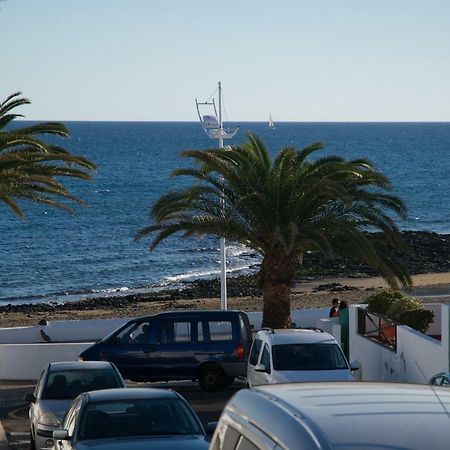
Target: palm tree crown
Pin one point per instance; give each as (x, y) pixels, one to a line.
(29, 167)
(282, 208)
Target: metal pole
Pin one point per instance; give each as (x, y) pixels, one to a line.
(223, 249)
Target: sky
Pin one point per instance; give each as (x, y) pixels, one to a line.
(301, 60)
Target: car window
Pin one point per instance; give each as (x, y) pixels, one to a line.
(38, 385)
(245, 444)
(134, 334)
(137, 417)
(214, 330)
(254, 353)
(175, 331)
(308, 357)
(68, 384)
(265, 357)
(70, 420)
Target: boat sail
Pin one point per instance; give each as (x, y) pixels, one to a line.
(271, 124)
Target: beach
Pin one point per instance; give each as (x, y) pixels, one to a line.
(313, 293)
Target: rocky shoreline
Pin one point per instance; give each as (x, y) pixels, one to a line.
(430, 254)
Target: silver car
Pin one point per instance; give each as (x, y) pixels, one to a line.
(134, 418)
(58, 385)
(336, 416)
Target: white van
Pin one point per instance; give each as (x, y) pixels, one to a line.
(336, 415)
(294, 355)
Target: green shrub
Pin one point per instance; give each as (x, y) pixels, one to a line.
(402, 305)
(418, 319)
(379, 303)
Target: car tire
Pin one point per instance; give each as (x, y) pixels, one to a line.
(211, 378)
(228, 381)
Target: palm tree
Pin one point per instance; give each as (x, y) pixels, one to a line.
(29, 167)
(283, 208)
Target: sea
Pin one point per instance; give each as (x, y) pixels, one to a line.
(53, 256)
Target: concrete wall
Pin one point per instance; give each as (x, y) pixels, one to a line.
(61, 331)
(416, 359)
(26, 361)
(302, 317)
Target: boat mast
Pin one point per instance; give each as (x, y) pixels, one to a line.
(213, 126)
(223, 249)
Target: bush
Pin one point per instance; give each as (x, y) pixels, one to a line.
(401, 308)
(402, 305)
(379, 303)
(419, 319)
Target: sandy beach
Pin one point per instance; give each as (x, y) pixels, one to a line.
(316, 293)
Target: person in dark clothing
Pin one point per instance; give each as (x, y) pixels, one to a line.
(334, 308)
(343, 320)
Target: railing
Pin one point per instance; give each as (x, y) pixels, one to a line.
(377, 328)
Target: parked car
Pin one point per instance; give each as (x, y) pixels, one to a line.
(337, 415)
(134, 418)
(209, 346)
(441, 379)
(58, 385)
(283, 356)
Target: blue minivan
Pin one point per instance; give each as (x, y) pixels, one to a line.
(209, 346)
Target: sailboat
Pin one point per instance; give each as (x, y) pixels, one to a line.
(271, 124)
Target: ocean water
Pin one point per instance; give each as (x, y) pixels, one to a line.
(55, 256)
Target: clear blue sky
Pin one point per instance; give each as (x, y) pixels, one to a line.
(302, 60)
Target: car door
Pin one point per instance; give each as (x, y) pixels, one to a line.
(130, 348)
(176, 350)
(253, 359)
(263, 377)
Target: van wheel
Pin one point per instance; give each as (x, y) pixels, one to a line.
(211, 378)
(228, 381)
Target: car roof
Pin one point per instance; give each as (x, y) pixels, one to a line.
(131, 393)
(79, 365)
(296, 336)
(352, 414)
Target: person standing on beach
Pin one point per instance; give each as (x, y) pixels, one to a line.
(334, 310)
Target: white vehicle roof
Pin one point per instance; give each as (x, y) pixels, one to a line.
(344, 415)
(295, 336)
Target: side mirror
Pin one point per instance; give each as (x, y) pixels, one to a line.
(260, 368)
(354, 365)
(29, 398)
(61, 435)
(211, 427)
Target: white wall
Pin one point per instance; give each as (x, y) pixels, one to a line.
(26, 361)
(61, 331)
(416, 359)
(302, 317)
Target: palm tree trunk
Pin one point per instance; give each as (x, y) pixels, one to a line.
(278, 277)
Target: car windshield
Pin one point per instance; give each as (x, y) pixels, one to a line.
(308, 357)
(137, 417)
(67, 384)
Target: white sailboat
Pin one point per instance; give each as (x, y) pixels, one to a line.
(271, 124)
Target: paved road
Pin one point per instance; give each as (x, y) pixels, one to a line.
(14, 411)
